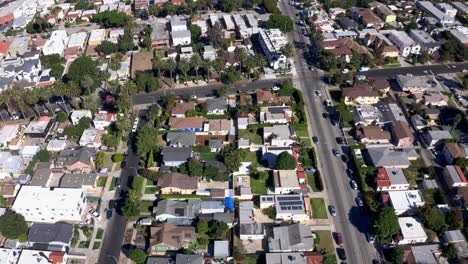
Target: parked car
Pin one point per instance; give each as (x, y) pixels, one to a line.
(108, 214)
(336, 152)
(310, 170)
(354, 184)
(332, 210)
(145, 221)
(341, 253)
(339, 239)
(359, 202)
(370, 237)
(318, 93)
(112, 204)
(315, 139)
(117, 183)
(325, 115)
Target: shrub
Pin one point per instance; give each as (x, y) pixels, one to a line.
(117, 157)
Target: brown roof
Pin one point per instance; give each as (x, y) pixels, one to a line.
(370, 18)
(360, 90)
(220, 125)
(455, 150)
(345, 46)
(142, 61)
(169, 234)
(182, 108)
(186, 122)
(402, 130)
(7, 189)
(379, 83)
(178, 180)
(372, 132)
(266, 96)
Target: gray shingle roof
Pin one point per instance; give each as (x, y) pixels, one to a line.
(182, 139)
(77, 180)
(189, 259)
(186, 208)
(176, 154)
(216, 103)
(71, 156)
(386, 157)
(295, 237)
(43, 233)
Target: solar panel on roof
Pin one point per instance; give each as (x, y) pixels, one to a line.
(288, 198)
(291, 203)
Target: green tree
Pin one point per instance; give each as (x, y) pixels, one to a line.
(230, 5)
(231, 158)
(215, 35)
(118, 157)
(84, 71)
(283, 23)
(3, 202)
(436, 220)
(43, 156)
(145, 81)
(218, 230)
(232, 75)
(194, 167)
(146, 140)
(450, 251)
(289, 52)
(112, 18)
(386, 223)
(184, 67)
(150, 161)
(219, 66)
(126, 42)
(271, 6)
(395, 255)
(285, 161)
(99, 162)
(153, 113)
(271, 212)
(138, 256)
(12, 225)
(131, 207)
(454, 218)
(241, 56)
(196, 63)
(202, 227)
(170, 65)
(196, 31)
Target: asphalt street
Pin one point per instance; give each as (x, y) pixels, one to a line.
(351, 221)
(115, 229)
(417, 70)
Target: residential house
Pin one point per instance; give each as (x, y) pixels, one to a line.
(141, 61)
(402, 135)
(76, 115)
(378, 42)
(39, 128)
(431, 99)
(344, 48)
(267, 97)
(275, 114)
(180, 139)
(177, 209)
(177, 183)
(428, 254)
(215, 145)
(367, 18)
(423, 39)
(167, 237)
(91, 138)
(390, 179)
(411, 231)
(212, 206)
(7, 134)
(56, 43)
(454, 177)
(291, 207)
(103, 119)
(10, 165)
(50, 205)
(406, 202)
(432, 138)
(452, 151)
(285, 181)
(86, 181)
(279, 135)
(404, 42)
(272, 42)
(77, 40)
(192, 124)
(28, 152)
(269, 154)
(251, 231)
(291, 238)
(209, 53)
(97, 36)
(218, 127)
(246, 212)
(372, 135)
(362, 94)
(79, 160)
(432, 114)
(217, 106)
(367, 115)
(387, 15)
(174, 157)
(180, 108)
(41, 256)
(221, 249)
(441, 17)
(20, 45)
(388, 157)
(179, 32)
(418, 84)
(347, 24)
(447, 9)
(42, 175)
(53, 237)
(188, 259)
(56, 145)
(160, 36)
(225, 217)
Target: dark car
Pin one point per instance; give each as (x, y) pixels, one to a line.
(341, 253)
(109, 214)
(315, 139)
(336, 153)
(359, 202)
(332, 210)
(112, 204)
(339, 140)
(339, 239)
(325, 115)
(117, 183)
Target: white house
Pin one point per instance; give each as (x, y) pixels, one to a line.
(56, 43)
(278, 135)
(212, 206)
(275, 114)
(406, 202)
(228, 22)
(7, 134)
(103, 119)
(405, 43)
(10, 165)
(50, 205)
(181, 37)
(76, 115)
(77, 40)
(412, 231)
(253, 231)
(272, 41)
(91, 138)
(285, 181)
(391, 179)
(290, 208)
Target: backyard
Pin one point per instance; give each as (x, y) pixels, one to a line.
(258, 186)
(324, 243)
(252, 135)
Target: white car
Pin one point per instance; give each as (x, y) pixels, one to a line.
(345, 71)
(135, 125)
(275, 88)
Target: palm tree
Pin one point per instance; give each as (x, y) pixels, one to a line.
(184, 67)
(195, 62)
(158, 64)
(87, 83)
(17, 95)
(260, 61)
(58, 89)
(241, 56)
(170, 65)
(32, 99)
(207, 65)
(44, 94)
(288, 51)
(5, 100)
(219, 65)
(250, 63)
(71, 90)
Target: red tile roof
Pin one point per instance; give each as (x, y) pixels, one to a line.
(7, 18)
(56, 257)
(382, 178)
(460, 173)
(4, 47)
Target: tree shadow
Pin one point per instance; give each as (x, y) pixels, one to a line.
(359, 218)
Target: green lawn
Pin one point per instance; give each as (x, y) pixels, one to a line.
(252, 157)
(102, 181)
(150, 190)
(253, 137)
(301, 131)
(100, 233)
(307, 142)
(258, 186)
(108, 160)
(112, 186)
(312, 182)
(146, 206)
(83, 244)
(97, 245)
(319, 210)
(180, 196)
(325, 241)
(208, 156)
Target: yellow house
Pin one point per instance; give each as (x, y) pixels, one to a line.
(386, 14)
(361, 94)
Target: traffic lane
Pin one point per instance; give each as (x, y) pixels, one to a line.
(416, 70)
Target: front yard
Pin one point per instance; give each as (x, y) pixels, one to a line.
(319, 210)
(252, 135)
